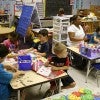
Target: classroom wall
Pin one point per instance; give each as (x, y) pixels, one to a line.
(84, 4)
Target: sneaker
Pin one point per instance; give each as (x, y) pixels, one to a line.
(49, 93)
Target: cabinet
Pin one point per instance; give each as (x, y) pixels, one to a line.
(5, 20)
(60, 25)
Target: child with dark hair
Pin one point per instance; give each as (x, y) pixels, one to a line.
(5, 76)
(12, 42)
(42, 46)
(61, 12)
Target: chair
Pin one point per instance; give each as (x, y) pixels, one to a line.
(97, 67)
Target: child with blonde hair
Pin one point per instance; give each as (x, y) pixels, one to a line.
(60, 61)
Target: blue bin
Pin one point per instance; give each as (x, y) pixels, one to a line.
(25, 62)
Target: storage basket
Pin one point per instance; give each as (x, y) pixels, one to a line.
(25, 62)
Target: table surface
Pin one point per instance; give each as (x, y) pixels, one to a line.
(76, 50)
(31, 78)
(6, 30)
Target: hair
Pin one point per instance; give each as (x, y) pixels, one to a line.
(3, 50)
(81, 13)
(98, 29)
(74, 18)
(14, 36)
(43, 32)
(61, 11)
(58, 47)
(71, 19)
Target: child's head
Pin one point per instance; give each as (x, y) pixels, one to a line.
(60, 50)
(61, 12)
(13, 37)
(3, 51)
(43, 35)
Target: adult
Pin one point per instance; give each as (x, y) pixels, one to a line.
(76, 35)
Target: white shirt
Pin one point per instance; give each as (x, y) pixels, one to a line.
(79, 33)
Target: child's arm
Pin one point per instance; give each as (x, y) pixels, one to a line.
(41, 54)
(59, 68)
(96, 39)
(18, 73)
(56, 68)
(10, 55)
(9, 67)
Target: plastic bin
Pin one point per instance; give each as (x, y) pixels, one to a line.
(25, 62)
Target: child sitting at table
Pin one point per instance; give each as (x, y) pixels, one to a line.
(6, 76)
(12, 42)
(96, 36)
(59, 61)
(29, 37)
(42, 47)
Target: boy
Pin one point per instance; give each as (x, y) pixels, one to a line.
(5, 76)
(42, 47)
(60, 61)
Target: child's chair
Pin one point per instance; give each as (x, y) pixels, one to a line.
(97, 67)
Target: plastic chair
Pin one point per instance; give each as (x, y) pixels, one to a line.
(97, 67)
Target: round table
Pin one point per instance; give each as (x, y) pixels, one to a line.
(4, 31)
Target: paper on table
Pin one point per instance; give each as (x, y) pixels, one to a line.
(45, 71)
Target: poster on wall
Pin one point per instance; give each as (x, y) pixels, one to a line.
(71, 2)
(17, 9)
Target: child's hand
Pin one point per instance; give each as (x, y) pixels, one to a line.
(13, 68)
(46, 64)
(35, 50)
(18, 73)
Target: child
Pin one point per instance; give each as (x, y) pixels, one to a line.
(61, 12)
(42, 47)
(29, 37)
(96, 36)
(5, 76)
(12, 42)
(60, 61)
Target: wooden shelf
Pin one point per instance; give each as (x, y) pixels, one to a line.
(5, 20)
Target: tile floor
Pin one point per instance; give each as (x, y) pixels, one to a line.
(78, 76)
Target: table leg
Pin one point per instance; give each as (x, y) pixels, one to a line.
(59, 85)
(19, 95)
(88, 70)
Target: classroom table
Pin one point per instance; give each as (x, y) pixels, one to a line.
(30, 79)
(4, 31)
(75, 50)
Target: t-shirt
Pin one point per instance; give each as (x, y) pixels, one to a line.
(9, 44)
(42, 47)
(79, 33)
(59, 62)
(5, 78)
